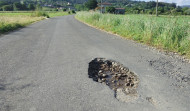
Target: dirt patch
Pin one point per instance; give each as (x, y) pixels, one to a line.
(119, 78)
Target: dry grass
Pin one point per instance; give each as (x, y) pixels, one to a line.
(12, 20)
(9, 22)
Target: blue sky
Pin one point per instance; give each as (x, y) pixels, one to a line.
(179, 2)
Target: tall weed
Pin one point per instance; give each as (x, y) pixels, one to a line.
(166, 32)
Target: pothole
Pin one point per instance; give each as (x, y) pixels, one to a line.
(119, 78)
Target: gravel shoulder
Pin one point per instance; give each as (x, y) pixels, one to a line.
(44, 67)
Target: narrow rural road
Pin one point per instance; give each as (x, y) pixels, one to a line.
(44, 67)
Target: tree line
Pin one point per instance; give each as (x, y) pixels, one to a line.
(134, 7)
(17, 6)
(138, 7)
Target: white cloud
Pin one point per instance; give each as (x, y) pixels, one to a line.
(179, 2)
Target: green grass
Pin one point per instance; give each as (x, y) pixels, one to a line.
(165, 32)
(55, 14)
(13, 20)
(14, 13)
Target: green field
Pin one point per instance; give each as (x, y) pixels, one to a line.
(170, 33)
(12, 20)
(55, 14)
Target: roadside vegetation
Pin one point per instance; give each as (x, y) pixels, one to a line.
(136, 7)
(55, 14)
(16, 13)
(171, 33)
(13, 20)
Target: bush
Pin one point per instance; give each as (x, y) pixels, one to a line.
(31, 7)
(18, 6)
(64, 10)
(110, 9)
(187, 12)
(73, 11)
(150, 12)
(9, 27)
(38, 7)
(69, 12)
(39, 14)
(91, 4)
(55, 9)
(7, 8)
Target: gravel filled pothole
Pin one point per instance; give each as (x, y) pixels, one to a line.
(119, 78)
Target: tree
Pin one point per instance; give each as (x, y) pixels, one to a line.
(187, 12)
(185, 8)
(110, 9)
(80, 7)
(31, 7)
(91, 4)
(17, 6)
(7, 8)
(64, 10)
(38, 7)
(2, 3)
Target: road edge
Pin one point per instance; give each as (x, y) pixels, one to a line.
(165, 52)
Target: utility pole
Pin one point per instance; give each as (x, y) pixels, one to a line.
(157, 8)
(36, 2)
(101, 6)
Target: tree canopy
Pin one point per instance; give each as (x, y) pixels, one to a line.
(91, 4)
(131, 6)
(110, 9)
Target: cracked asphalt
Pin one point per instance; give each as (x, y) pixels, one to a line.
(44, 67)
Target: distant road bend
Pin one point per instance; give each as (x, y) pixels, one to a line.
(44, 67)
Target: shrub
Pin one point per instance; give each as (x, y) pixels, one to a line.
(91, 4)
(31, 7)
(7, 8)
(73, 11)
(40, 13)
(64, 10)
(110, 9)
(55, 9)
(9, 27)
(187, 12)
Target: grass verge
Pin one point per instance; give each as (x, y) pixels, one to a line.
(10, 21)
(55, 14)
(165, 32)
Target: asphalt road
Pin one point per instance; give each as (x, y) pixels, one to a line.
(44, 67)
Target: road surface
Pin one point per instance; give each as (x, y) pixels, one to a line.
(44, 67)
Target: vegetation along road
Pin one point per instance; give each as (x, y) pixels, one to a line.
(44, 67)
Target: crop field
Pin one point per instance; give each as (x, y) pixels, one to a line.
(12, 20)
(170, 33)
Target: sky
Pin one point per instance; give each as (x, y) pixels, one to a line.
(179, 2)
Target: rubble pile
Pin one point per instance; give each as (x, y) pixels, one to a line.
(115, 75)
